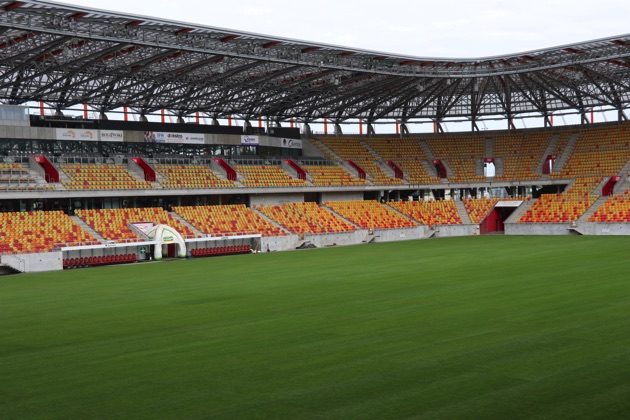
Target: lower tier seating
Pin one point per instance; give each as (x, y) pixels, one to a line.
(223, 220)
(478, 209)
(370, 214)
(430, 213)
(114, 224)
(566, 207)
(615, 209)
(304, 218)
(39, 231)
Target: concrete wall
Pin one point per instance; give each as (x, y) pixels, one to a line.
(342, 196)
(604, 228)
(279, 243)
(537, 229)
(273, 199)
(337, 239)
(33, 263)
(392, 235)
(445, 231)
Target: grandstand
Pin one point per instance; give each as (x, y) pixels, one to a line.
(127, 140)
(266, 183)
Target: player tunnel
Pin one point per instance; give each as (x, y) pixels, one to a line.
(495, 220)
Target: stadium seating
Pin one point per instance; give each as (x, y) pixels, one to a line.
(521, 153)
(16, 177)
(460, 152)
(565, 207)
(349, 148)
(616, 209)
(370, 214)
(99, 260)
(224, 220)
(101, 177)
(600, 151)
(331, 175)
(478, 209)
(430, 213)
(408, 155)
(221, 250)
(113, 224)
(191, 176)
(304, 218)
(267, 176)
(39, 231)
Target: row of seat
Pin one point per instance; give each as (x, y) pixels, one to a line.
(221, 250)
(267, 176)
(430, 213)
(101, 177)
(306, 218)
(101, 260)
(191, 176)
(370, 214)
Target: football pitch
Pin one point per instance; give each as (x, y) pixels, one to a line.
(479, 327)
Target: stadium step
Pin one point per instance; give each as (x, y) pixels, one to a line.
(181, 220)
(551, 147)
(566, 153)
(591, 210)
(88, 229)
(463, 214)
(270, 220)
(489, 147)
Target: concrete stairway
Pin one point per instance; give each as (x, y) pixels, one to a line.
(273, 222)
(88, 228)
(566, 153)
(463, 214)
(499, 166)
(551, 147)
(591, 210)
(427, 150)
(520, 211)
(488, 147)
(184, 222)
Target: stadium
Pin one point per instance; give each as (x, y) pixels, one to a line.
(200, 222)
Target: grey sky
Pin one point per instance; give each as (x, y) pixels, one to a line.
(424, 28)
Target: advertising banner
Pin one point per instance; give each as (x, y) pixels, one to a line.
(163, 137)
(291, 143)
(249, 140)
(112, 135)
(76, 134)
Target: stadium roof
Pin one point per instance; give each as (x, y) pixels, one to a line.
(68, 55)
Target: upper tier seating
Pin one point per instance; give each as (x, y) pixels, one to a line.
(267, 176)
(565, 207)
(191, 176)
(460, 152)
(331, 175)
(408, 155)
(304, 218)
(101, 177)
(370, 214)
(478, 209)
(616, 209)
(521, 153)
(430, 213)
(599, 152)
(39, 231)
(349, 148)
(113, 224)
(224, 220)
(16, 177)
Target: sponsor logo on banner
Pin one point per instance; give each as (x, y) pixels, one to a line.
(249, 140)
(76, 134)
(112, 135)
(292, 143)
(162, 137)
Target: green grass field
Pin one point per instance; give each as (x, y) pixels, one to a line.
(483, 327)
